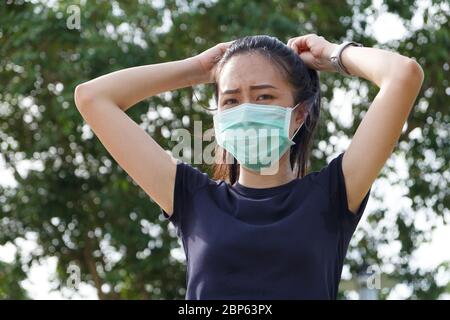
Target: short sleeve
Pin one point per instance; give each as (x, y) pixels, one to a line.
(187, 181)
(332, 179)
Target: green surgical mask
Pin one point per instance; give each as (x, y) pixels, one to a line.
(256, 135)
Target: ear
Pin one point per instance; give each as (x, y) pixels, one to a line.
(300, 113)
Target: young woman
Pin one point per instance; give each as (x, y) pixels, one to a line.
(248, 233)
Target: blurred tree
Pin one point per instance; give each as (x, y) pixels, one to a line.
(11, 274)
(86, 210)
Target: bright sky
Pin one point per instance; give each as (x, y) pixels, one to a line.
(385, 27)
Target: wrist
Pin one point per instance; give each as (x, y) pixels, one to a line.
(326, 55)
(329, 50)
(196, 72)
(336, 57)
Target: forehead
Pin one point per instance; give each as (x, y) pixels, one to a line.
(248, 69)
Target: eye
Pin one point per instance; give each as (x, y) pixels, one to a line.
(267, 97)
(226, 102)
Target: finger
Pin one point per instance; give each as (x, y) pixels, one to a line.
(295, 45)
(291, 44)
(308, 58)
(302, 43)
(294, 48)
(224, 46)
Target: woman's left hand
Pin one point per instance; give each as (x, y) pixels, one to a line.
(314, 50)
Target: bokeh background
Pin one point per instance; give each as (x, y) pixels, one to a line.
(74, 225)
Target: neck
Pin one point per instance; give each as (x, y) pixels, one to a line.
(254, 179)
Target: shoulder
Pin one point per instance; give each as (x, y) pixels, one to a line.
(328, 175)
(191, 178)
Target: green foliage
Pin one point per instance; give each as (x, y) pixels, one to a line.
(82, 205)
(11, 274)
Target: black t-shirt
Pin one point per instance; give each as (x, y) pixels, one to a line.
(284, 242)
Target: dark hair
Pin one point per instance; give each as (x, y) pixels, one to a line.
(305, 82)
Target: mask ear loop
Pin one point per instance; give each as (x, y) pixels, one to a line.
(298, 129)
(201, 104)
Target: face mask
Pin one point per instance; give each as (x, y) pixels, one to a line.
(256, 135)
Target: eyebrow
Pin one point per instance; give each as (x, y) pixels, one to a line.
(257, 87)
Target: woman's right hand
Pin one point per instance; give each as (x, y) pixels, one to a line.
(207, 62)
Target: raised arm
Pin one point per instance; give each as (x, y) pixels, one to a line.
(103, 101)
(399, 79)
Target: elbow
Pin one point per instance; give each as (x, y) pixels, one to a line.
(413, 72)
(83, 96)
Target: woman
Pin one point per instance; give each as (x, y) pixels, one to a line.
(255, 233)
